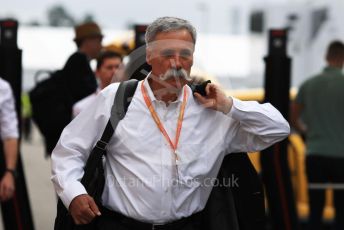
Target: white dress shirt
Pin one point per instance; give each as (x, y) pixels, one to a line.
(141, 176)
(84, 103)
(8, 115)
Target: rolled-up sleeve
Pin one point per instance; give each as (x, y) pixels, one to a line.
(8, 115)
(254, 126)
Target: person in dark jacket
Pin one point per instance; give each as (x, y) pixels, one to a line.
(77, 79)
(81, 79)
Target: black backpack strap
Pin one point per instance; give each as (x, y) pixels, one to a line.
(125, 93)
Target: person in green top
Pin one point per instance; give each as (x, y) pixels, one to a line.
(318, 114)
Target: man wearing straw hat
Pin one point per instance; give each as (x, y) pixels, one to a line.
(81, 78)
(77, 78)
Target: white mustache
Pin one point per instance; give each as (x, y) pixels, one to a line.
(170, 73)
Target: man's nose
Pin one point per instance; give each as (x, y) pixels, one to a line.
(175, 62)
(113, 70)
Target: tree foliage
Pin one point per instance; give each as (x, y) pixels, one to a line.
(59, 16)
(88, 18)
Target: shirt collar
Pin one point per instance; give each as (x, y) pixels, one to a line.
(151, 95)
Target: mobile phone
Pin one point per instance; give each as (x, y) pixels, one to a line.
(200, 88)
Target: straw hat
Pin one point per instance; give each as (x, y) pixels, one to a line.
(87, 30)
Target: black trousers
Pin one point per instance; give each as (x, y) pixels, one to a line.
(322, 169)
(110, 221)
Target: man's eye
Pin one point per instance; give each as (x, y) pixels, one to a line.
(185, 53)
(167, 53)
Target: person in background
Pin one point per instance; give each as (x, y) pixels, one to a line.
(81, 78)
(108, 63)
(77, 80)
(318, 113)
(9, 136)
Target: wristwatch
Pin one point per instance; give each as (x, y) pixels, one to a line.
(13, 172)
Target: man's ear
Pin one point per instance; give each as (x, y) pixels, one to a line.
(97, 73)
(148, 55)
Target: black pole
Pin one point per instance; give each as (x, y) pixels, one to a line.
(16, 212)
(137, 67)
(274, 160)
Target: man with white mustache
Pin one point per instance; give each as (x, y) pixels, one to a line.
(176, 73)
(168, 145)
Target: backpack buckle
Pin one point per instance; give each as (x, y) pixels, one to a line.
(101, 145)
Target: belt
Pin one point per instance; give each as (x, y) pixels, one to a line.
(136, 224)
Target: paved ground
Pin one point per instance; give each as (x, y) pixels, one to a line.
(41, 193)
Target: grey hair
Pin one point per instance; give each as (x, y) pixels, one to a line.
(167, 24)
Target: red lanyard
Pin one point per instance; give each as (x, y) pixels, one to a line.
(159, 123)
